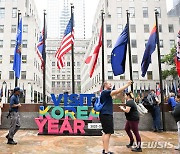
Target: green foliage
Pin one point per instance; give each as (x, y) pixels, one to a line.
(169, 60)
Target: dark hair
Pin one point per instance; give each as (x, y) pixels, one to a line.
(130, 94)
(178, 95)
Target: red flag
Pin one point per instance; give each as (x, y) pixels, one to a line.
(66, 44)
(94, 57)
(157, 89)
(177, 57)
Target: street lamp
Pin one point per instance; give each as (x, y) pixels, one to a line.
(5, 89)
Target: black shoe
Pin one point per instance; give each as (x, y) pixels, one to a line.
(159, 131)
(109, 153)
(136, 149)
(155, 130)
(103, 151)
(7, 136)
(130, 144)
(10, 141)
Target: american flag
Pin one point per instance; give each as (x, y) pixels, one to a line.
(66, 44)
(40, 47)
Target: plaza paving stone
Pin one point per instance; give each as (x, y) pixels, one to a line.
(31, 143)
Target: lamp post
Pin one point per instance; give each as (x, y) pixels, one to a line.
(4, 91)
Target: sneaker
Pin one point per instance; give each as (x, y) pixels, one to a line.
(103, 151)
(12, 142)
(130, 144)
(7, 136)
(136, 149)
(177, 148)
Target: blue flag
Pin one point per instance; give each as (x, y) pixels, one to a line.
(118, 55)
(150, 47)
(17, 51)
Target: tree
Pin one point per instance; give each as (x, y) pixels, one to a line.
(169, 60)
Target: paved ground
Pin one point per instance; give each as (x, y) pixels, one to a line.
(29, 142)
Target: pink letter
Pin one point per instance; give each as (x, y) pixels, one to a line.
(66, 127)
(79, 124)
(53, 126)
(40, 123)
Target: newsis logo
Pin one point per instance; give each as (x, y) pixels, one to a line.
(156, 145)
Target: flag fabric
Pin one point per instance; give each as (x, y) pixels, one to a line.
(17, 51)
(150, 47)
(177, 57)
(93, 58)
(118, 55)
(40, 48)
(157, 89)
(66, 44)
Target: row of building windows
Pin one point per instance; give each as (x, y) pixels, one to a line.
(63, 77)
(24, 59)
(2, 12)
(14, 28)
(68, 64)
(134, 43)
(64, 84)
(132, 12)
(13, 43)
(135, 75)
(11, 75)
(133, 28)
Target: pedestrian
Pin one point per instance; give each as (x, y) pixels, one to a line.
(171, 100)
(1, 106)
(132, 122)
(14, 116)
(176, 114)
(156, 112)
(106, 113)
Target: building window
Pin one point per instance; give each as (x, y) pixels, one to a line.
(23, 74)
(11, 75)
(14, 12)
(161, 43)
(68, 84)
(13, 42)
(133, 28)
(58, 84)
(53, 84)
(145, 12)
(122, 77)
(110, 75)
(119, 28)
(2, 12)
(132, 12)
(1, 43)
(25, 28)
(1, 28)
(13, 28)
(53, 70)
(24, 59)
(135, 75)
(109, 43)
(160, 28)
(0, 59)
(68, 77)
(53, 77)
(11, 58)
(78, 77)
(149, 75)
(133, 44)
(63, 84)
(108, 59)
(53, 63)
(108, 28)
(58, 77)
(146, 41)
(159, 11)
(146, 28)
(172, 43)
(119, 12)
(134, 59)
(63, 76)
(78, 64)
(24, 43)
(68, 63)
(171, 28)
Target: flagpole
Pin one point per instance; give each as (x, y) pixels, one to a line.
(72, 49)
(102, 17)
(44, 59)
(160, 73)
(129, 48)
(16, 79)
